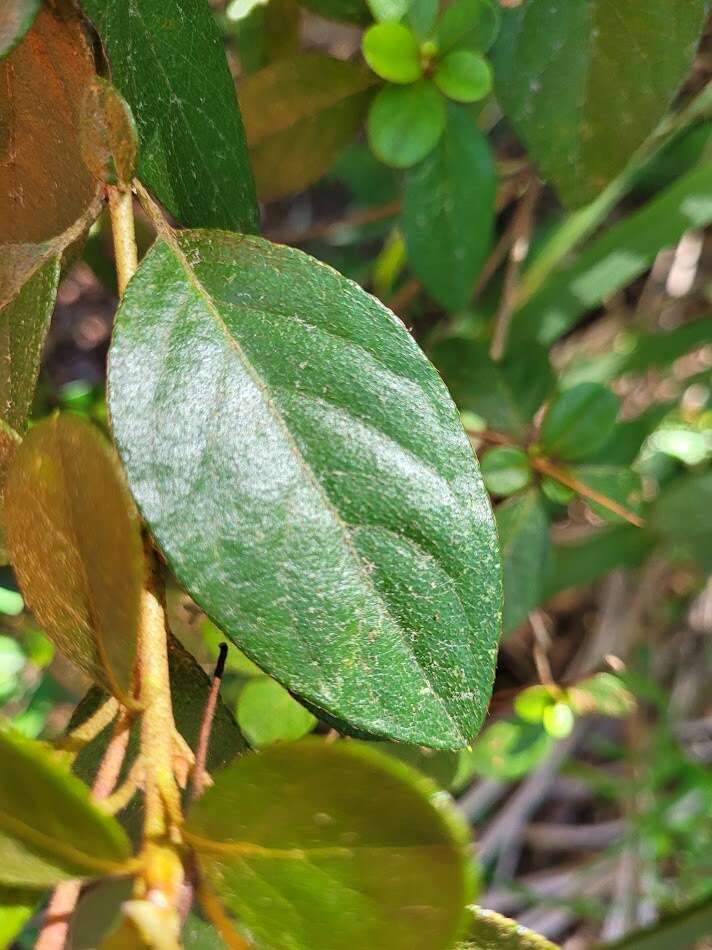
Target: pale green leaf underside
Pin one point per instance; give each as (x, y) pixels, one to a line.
(299, 848)
(304, 470)
(584, 82)
(49, 828)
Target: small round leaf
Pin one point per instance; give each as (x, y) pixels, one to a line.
(405, 124)
(506, 470)
(558, 720)
(266, 714)
(392, 52)
(579, 421)
(464, 76)
(531, 703)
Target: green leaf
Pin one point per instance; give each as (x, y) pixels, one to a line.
(506, 470)
(463, 76)
(347, 11)
(603, 694)
(532, 702)
(305, 402)
(682, 517)
(579, 421)
(440, 765)
(624, 252)
(167, 59)
(387, 10)
(334, 847)
(24, 322)
(422, 15)
(683, 928)
(561, 65)
(17, 905)
(468, 24)
(621, 485)
(558, 720)
(509, 749)
(405, 123)
(448, 211)
(524, 538)
(81, 576)
(50, 829)
(392, 52)
(44, 184)
(583, 562)
(108, 134)
(491, 931)
(16, 17)
(268, 714)
(505, 394)
(300, 114)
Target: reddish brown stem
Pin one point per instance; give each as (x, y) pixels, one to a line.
(545, 467)
(206, 726)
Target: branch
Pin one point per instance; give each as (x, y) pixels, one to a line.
(206, 726)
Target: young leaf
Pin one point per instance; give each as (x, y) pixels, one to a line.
(406, 122)
(463, 76)
(24, 322)
(303, 403)
(624, 252)
(167, 59)
(311, 860)
(448, 211)
(75, 545)
(561, 67)
(507, 393)
(16, 17)
(508, 749)
(50, 829)
(524, 537)
(16, 907)
(300, 114)
(44, 184)
(491, 931)
(108, 134)
(506, 470)
(579, 421)
(468, 24)
(392, 52)
(268, 714)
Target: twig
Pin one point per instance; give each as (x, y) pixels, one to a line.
(206, 726)
(124, 234)
(521, 237)
(80, 737)
(545, 467)
(55, 928)
(326, 228)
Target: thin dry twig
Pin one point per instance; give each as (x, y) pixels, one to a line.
(206, 726)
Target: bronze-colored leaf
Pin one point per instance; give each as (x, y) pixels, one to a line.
(44, 183)
(108, 135)
(74, 542)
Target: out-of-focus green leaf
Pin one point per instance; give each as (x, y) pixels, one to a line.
(16, 17)
(530, 704)
(448, 211)
(558, 720)
(81, 574)
(561, 65)
(682, 517)
(167, 59)
(681, 929)
(506, 470)
(621, 485)
(603, 694)
(492, 931)
(50, 830)
(334, 847)
(509, 749)
(578, 421)
(348, 11)
(16, 907)
(421, 16)
(505, 394)
(405, 123)
(44, 184)
(438, 764)
(524, 538)
(385, 11)
(468, 24)
(392, 52)
(623, 253)
(583, 562)
(300, 114)
(463, 76)
(268, 714)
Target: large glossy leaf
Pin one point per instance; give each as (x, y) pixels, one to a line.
(524, 535)
(167, 60)
(24, 322)
(562, 64)
(75, 545)
(16, 17)
(49, 828)
(303, 469)
(448, 211)
(506, 394)
(300, 114)
(44, 184)
(329, 847)
(624, 252)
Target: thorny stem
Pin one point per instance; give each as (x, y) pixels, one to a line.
(124, 234)
(55, 928)
(206, 726)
